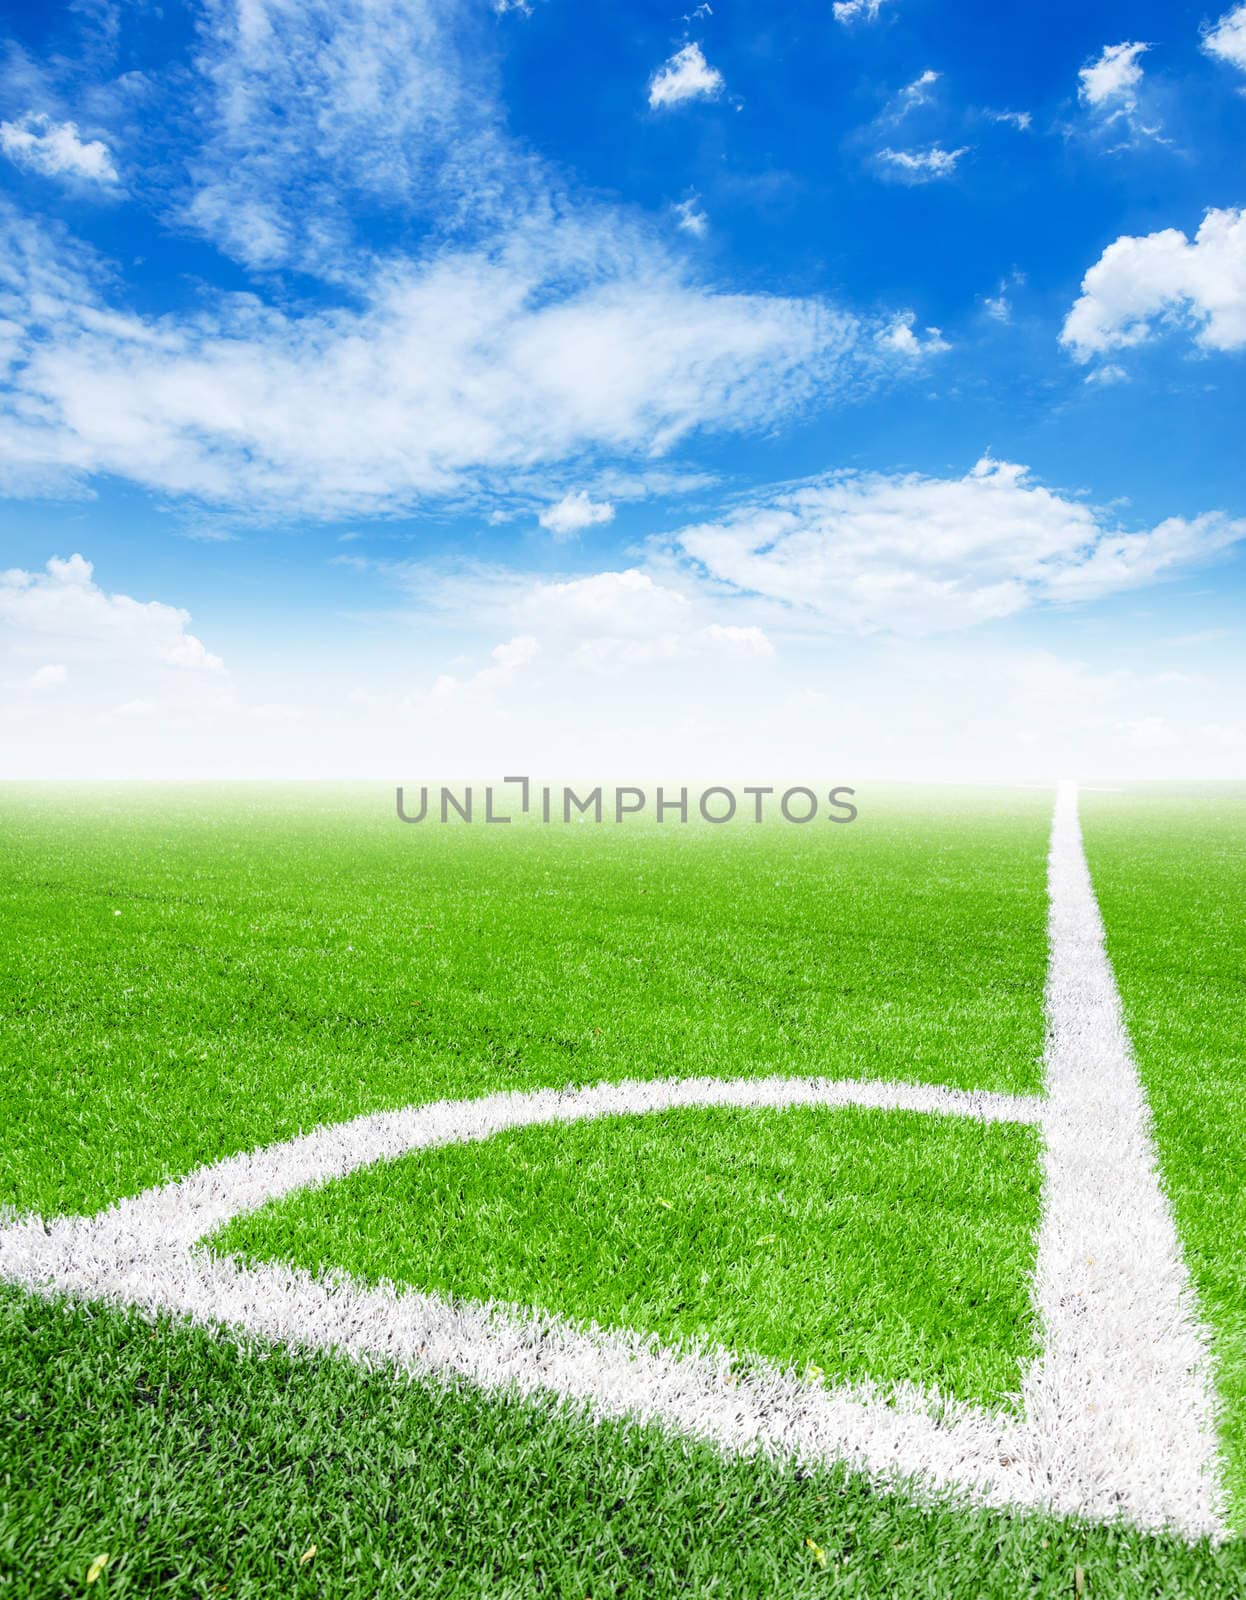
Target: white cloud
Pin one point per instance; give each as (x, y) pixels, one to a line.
(308, 105)
(686, 76)
(915, 94)
(847, 11)
(51, 676)
(1021, 120)
(55, 149)
(998, 306)
(1107, 375)
(463, 368)
(1110, 84)
(574, 512)
(691, 218)
(528, 328)
(921, 166)
(628, 604)
(899, 336)
(1227, 39)
(506, 662)
(916, 555)
(65, 604)
(613, 621)
(1164, 280)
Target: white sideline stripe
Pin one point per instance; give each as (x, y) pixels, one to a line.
(1117, 1419)
(1121, 1402)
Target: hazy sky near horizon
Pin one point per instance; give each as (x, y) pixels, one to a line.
(410, 388)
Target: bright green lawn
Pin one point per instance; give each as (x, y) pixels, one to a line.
(877, 1244)
(225, 1006)
(208, 1472)
(286, 958)
(1169, 865)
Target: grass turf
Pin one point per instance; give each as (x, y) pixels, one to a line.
(207, 1470)
(893, 1245)
(281, 960)
(1169, 866)
(189, 972)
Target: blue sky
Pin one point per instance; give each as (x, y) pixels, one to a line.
(432, 386)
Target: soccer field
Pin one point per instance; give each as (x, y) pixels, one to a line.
(600, 1210)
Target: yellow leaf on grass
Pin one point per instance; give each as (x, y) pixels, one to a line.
(97, 1566)
(819, 1554)
(307, 1555)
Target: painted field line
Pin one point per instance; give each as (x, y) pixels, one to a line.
(190, 1208)
(141, 1253)
(1121, 1401)
(1116, 1421)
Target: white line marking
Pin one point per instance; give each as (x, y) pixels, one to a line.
(1146, 1453)
(140, 1252)
(1121, 1400)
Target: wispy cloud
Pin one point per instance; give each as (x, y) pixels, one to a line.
(1227, 40)
(691, 218)
(916, 94)
(920, 166)
(557, 346)
(998, 306)
(917, 555)
(849, 11)
(527, 333)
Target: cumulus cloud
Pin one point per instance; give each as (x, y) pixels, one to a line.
(55, 149)
(63, 603)
(1227, 40)
(574, 512)
(1164, 280)
(608, 623)
(1110, 84)
(900, 337)
(914, 554)
(1111, 88)
(506, 662)
(626, 603)
(921, 166)
(615, 620)
(687, 75)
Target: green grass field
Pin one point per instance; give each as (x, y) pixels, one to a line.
(1170, 867)
(190, 973)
